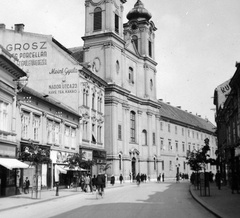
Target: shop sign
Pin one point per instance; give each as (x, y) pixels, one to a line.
(87, 155)
(7, 151)
(99, 154)
(59, 156)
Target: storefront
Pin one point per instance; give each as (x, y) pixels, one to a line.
(10, 176)
(62, 174)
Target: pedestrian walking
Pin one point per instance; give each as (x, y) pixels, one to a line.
(26, 185)
(112, 180)
(120, 178)
(163, 177)
(100, 182)
(138, 179)
(87, 183)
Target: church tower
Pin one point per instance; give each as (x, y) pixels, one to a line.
(141, 30)
(123, 56)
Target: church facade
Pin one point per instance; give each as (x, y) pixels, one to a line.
(142, 134)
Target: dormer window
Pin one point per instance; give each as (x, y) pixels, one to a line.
(97, 20)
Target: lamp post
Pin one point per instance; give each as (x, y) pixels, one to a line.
(177, 166)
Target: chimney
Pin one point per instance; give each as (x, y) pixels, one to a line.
(160, 99)
(179, 107)
(2, 26)
(168, 102)
(19, 27)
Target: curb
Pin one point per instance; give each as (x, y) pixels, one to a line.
(202, 203)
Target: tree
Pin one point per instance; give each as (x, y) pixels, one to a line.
(36, 156)
(198, 159)
(78, 160)
(105, 166)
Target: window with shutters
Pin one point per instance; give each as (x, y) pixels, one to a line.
(97, 23)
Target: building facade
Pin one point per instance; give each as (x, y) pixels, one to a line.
(111, 82)
(51, 126)
(9, 165)
(137, 136)
(55, 73)
(226, 99)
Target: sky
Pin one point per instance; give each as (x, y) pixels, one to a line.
(197, 42)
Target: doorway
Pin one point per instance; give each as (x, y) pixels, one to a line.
(133, 168)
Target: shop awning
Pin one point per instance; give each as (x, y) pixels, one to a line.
(60, 169)
(10, 163)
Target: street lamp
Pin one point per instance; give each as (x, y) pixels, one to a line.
(177, 166)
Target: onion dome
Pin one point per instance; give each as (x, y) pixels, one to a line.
(139, 12)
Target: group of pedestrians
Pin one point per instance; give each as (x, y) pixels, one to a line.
(112, 179)
(160, 178)
(90, 184)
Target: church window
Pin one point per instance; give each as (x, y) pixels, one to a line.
(135, 41)
(150, 48)
(119, 132)
(117, 67)
(116, 23)
(151, 84)
(132, 126)
(97, 23)
(93, 101)
(144, 137)
(130, 75)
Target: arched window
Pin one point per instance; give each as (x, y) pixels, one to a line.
(132, 126)
(151, 84)
(135, 41)
(130, 75)
(144, 137)
(117, 67)
(97, 20)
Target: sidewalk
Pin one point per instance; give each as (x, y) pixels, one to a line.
(221, 203)
(15, 201)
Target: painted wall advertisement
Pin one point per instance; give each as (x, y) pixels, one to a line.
(29, 53)
(39, 57)
(63, 86)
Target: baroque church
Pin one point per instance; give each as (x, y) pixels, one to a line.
(142, 134)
